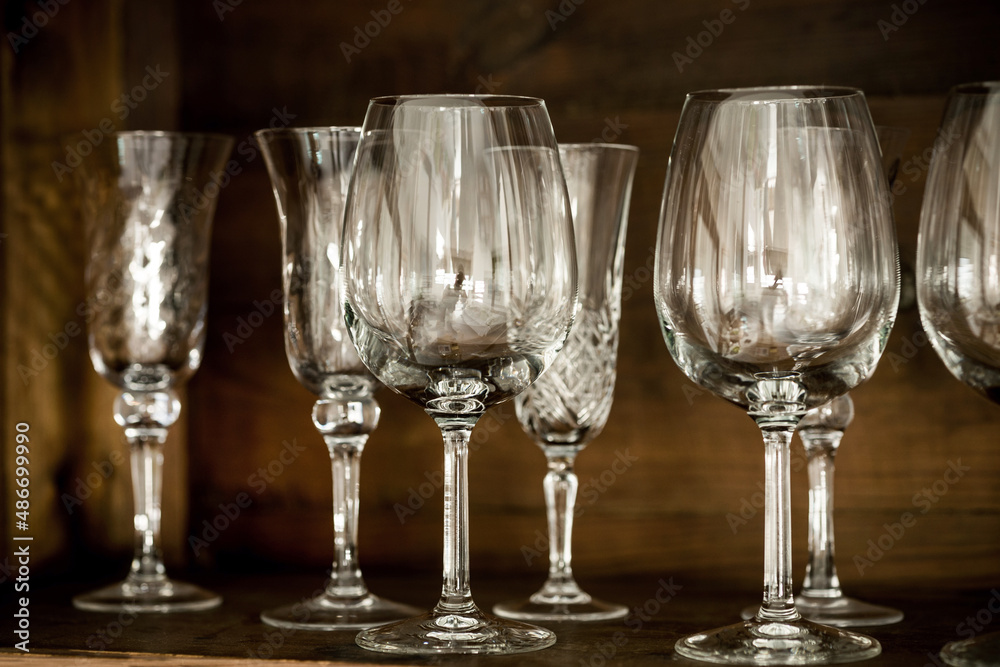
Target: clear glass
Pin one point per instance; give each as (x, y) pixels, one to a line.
(148, 201)
(958, 267)
(777, 282)
(460, 288)
(821, 598)
(569, 405)
(310, 169)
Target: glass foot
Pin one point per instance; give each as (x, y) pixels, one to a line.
(540, 607)
(329, 612)
(466, 631)
(159, 595)
(840, 612)
(983, 651)
(798, 642)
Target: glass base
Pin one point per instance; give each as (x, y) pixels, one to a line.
(467, 631)
(983, 651)
(798, 642)
(157, 595)
(329, 612)
(840, 612)
(540, 607)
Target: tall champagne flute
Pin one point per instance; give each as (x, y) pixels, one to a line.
(460, 287)
(821, 430)
(148, 200)
(776, 284)
(310, 169)
(958, 255)
(569, 405)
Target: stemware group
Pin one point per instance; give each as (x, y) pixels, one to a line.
(450, 250)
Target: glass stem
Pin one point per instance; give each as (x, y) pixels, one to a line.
(456, 594)
(561, 485)
(345, 459)
(821, 573)
(779, 603)
(147, 490)
(345, 418)
(146, 416)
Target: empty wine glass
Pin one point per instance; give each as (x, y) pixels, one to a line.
(821, 430)
(958, 255)
(148, 201)
(460, 288)
(310, 169)
(569, 405)
(776, 285)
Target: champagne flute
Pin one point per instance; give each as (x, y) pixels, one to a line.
(310, 169)
(148, 204)
(776, 284)
(460, 287)
(569, 405)
(821, 430)
(958, 255)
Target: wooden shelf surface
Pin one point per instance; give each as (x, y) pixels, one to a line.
(234, 635)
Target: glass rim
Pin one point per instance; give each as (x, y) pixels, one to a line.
(490, 101)
(976, 88)
(598, 144)
(173, 134)
(821, 92)
(312, 129)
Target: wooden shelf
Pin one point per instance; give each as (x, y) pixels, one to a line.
(234, 635)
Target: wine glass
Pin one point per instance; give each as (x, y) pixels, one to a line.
(460, 288)
(569, 405)
(310, 169)
(776, 284)
(148, 201)
(958, 254)
(821, 430)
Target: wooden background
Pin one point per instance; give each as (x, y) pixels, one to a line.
(607, 70)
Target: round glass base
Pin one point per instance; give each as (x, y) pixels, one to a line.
(840, 612)
(546, 608)
(469, 631)
(158, 595)
(798, 642)
(983, 651)
(328, 612)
